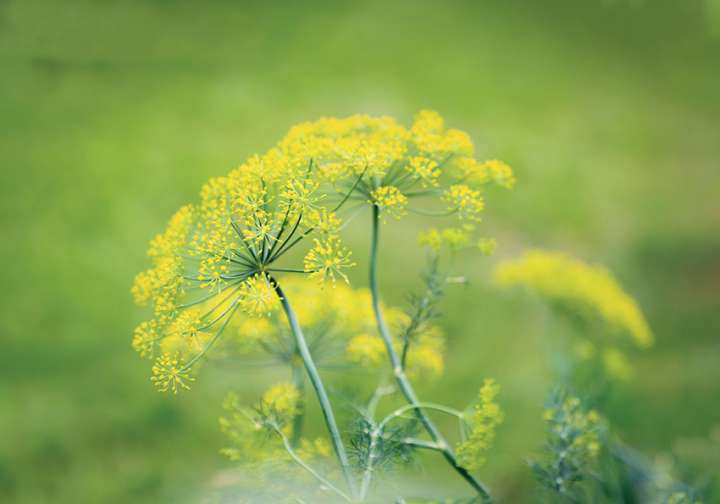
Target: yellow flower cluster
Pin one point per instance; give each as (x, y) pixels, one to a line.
(367, 350)
(466, 201)
(455, 239)
(219, 255)
(485, 418)
(257, 296)
(170, 375)
(396, 164)
(587, 290)
(280, 402)
(489, 171)
(327, 259)
(390, 200)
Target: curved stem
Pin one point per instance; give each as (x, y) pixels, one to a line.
(309, 469)
(317, 384)
(421, 443)
(418, 406)
(400, 376)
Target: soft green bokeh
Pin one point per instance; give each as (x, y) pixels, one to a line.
(113, 113)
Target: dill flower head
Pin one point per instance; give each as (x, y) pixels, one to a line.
(280, 403)
(169, 374)
(483, 421)
(589, 293)
(390, 200)
(223, 254)
(587, 289)
(427, 168)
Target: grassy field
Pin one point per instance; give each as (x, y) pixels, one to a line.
(113, 113)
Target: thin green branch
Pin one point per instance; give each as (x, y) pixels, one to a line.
(298, 379)
(402, 380)
(352, 190)
(419, 406)
(326, 483)
(421, 443)
(210, 343)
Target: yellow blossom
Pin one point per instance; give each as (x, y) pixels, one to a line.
(281, 402)
(214, 254)
(327, 260)
(169, 374)
(145, 337)
(454, 238)
(587, 288)
(465, 201)
(390, 200)
(500, 173)
(426, 170)
(484, 419)
(258, 296)
(367, 350)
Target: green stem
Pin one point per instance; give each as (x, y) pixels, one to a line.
(317, 384)
(400, 376)
(309, 469)
(367, 476)
(431, 406)
(421, 443)
(299, 381)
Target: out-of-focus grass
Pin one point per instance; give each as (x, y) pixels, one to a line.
(113, 114)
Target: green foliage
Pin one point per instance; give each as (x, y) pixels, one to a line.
(572, 447)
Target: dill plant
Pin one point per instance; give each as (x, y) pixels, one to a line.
(220, 268)
(226, 279)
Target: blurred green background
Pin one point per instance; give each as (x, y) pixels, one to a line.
(112, 114)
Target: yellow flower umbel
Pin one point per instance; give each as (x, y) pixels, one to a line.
(390, 200)
(280, 403)
(220, 255)
(169, 374)
(327, 260)
(428, 162)
(591, 288)
(589, 291)
(483, 421)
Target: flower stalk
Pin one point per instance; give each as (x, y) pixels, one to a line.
(298, 379)
(318, 385)
(398, 371)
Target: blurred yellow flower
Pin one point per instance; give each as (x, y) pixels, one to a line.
(587, 288)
